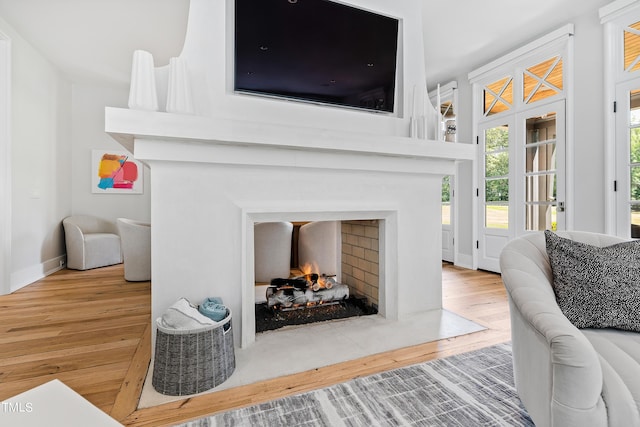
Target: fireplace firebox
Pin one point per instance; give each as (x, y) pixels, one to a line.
(333, 272)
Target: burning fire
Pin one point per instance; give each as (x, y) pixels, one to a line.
(310, 289)
(310, 268)
(316, 281)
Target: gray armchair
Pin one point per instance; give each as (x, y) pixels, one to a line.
(136, 249)
(91, 242)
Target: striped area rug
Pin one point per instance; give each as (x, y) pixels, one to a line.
(471, 389)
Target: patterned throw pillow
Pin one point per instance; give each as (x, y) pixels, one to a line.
(596, 287)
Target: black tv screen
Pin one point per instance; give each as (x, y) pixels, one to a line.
(316, 51)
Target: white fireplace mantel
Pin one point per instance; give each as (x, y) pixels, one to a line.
(128, 126)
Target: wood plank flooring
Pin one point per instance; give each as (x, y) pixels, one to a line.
(91, 330)
(84, 328)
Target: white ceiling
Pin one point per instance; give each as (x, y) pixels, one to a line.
(472, 33)
(92, 41)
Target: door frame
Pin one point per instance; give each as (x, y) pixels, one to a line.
(558, 42)
(5, 164)
(621, 220)
(615, 17)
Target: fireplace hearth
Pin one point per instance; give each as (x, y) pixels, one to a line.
(272, 318)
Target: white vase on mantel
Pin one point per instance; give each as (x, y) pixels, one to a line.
(179, 97)
(142, 92)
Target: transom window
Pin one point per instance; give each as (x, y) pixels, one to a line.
(542, 80)
(632, 47)
(539, 81)
(498, 96)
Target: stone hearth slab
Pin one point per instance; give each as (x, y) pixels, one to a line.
(327, 343)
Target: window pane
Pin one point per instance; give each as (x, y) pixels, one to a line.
(496, 138)
(497, 190)
(635, 221)
(634, 102)
(496, 216)
(541, 158)
(446, 200)
(541, 188)
(541, 217)
(635, 183)
(446, 189)
(541, 128)
(542, 80)
(498, 96)
(632, 47)
(446, 213)
(634, 139)
(497, 164)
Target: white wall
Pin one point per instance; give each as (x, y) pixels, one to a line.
(40, 162)
(88, 134)
(465, 189)
(589, 192)
(54, 127)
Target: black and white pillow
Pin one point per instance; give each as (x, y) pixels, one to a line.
(596, 287)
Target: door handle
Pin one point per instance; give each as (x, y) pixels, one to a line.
(560, 206)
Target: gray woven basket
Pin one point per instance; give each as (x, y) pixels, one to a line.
(189, 362)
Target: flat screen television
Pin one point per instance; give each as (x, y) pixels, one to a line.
(316, 51)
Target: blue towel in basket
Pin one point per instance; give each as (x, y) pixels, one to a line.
(213, 309)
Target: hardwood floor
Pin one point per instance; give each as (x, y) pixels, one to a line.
(84, 328)
(91, 330)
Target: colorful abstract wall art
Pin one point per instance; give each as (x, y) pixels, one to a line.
(116, 172)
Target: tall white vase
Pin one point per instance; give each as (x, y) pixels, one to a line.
(179, 97)
(142, 92)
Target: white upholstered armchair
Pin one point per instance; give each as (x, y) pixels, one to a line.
(136, 249)
(272, 250)
(91, 242)
(565, 376)
(318, 246)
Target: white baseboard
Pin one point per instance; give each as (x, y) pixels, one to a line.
(26, 276)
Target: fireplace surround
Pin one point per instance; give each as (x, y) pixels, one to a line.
(212, 180)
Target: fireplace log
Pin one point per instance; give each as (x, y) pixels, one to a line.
(297, 283)
(290, 296)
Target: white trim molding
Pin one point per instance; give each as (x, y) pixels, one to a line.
(554, 36)
(33, 273)
(5, 164)
(616, 9)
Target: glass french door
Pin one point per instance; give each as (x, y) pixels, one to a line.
(627, 180)
(495, 191)
(522, 178)
(447, 219)
(543, 196)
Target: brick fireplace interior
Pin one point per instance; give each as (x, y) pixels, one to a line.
(361, 258)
